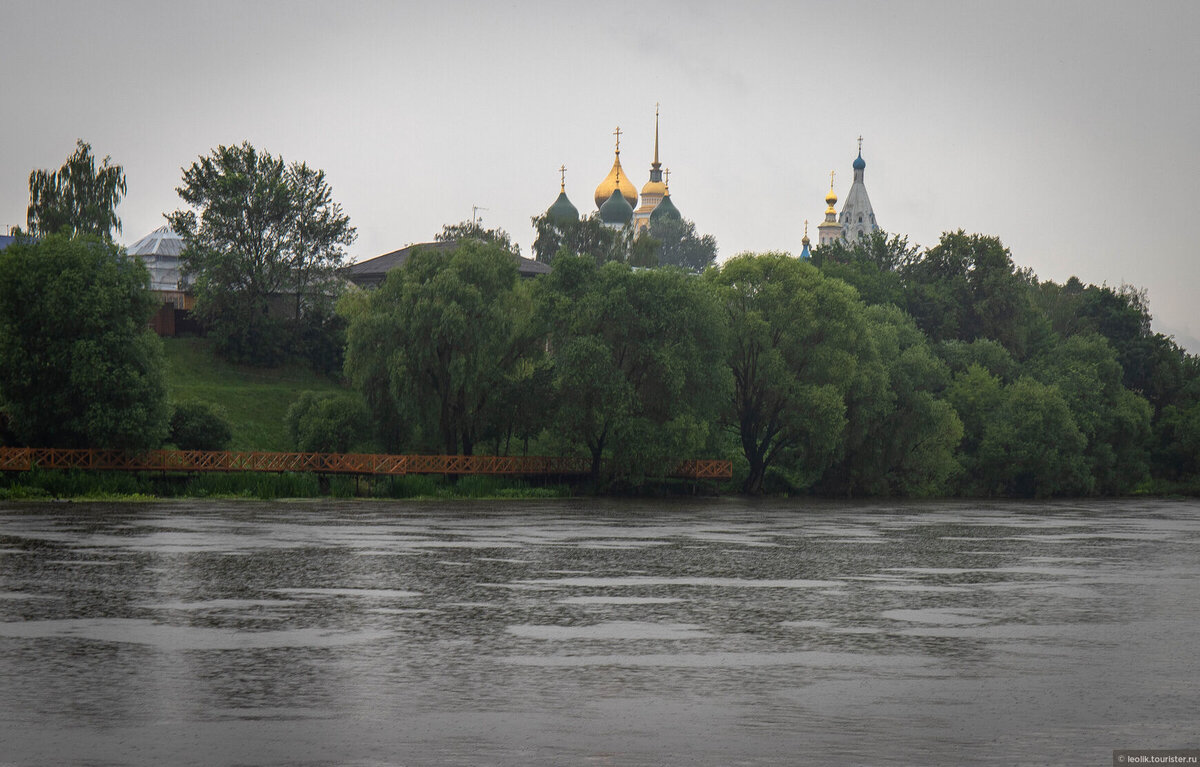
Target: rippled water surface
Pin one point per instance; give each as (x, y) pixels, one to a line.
(716, 632)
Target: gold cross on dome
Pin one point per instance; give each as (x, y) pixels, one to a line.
(860, 143)
(831, 180)
(562, 177)
(617, 133)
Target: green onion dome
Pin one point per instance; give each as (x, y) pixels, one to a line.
(665, 210)
(562, 212)
(616, 210)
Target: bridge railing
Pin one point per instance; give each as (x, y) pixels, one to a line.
(26, 458)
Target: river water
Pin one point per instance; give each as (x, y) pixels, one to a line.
(713, 632)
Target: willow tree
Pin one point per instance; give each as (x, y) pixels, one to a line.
(437, 349)
(803, 360)
(635, 377)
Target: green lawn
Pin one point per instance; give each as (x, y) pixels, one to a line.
(255, 399)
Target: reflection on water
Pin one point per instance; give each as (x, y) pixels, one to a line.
(596, 632)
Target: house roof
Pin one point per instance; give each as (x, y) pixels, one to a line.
(161, 242)
(372, 272)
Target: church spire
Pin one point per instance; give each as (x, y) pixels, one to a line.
(656, 163)
(655, 190)
(829, 229)
(805, 254)
(858, 217)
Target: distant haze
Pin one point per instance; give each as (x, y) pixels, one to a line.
(1067, 129)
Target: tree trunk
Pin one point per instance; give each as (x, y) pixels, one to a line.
(758, 472)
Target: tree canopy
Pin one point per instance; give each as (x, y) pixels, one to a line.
(79, 366)
(632, 355)
(263, 241)
(78, 198)
(679, 245)
(801, 355)
(435, 348)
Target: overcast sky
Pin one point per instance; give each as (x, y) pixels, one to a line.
(1067, 129)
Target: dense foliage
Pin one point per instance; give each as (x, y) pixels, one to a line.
(633, 374)
(79, 366)
(665, 242)
(877, 369)
(263, 242)
(442, 349)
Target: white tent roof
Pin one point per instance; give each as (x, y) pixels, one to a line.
(161, 242)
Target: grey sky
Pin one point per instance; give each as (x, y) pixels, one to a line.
(1067, 129)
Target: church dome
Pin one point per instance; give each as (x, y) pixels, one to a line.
(616, 210)
(859, 163)
(562, 211)
(610, 184)
(654, 187)
(831, 198)
(665, 210)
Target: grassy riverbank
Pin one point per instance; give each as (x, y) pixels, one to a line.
(254, 399)
(110, 486)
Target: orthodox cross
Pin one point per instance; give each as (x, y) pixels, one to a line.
(668, 184)
(860, 143)
(617, 133)
(831, 180)
(562, 178)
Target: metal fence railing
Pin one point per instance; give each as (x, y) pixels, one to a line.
(26, 458)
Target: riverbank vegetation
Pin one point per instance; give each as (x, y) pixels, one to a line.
(876, 368)
(107, 486)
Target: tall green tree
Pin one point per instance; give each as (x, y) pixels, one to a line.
(78, 198)
(79, 366)
(634, 373)
(1114, 421)
(586, 237)
(680, 245)
(801, 354)
(967, 287)
(901, 436)
(871, 264)
(263, 241)
(435, 348)
(1031, 446)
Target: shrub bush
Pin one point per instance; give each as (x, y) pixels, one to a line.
(199, 426)
(327, 423)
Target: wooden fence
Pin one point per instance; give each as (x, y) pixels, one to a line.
(26, 458)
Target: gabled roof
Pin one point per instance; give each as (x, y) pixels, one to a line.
(371, 273)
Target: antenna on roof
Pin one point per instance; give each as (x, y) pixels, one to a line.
(475, 219)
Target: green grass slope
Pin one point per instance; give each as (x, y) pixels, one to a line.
(255, 399)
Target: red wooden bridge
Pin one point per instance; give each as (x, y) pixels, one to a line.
(363, 464)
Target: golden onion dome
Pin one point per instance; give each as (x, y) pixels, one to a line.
(831, 198)
(654, 187)
(610, 184)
